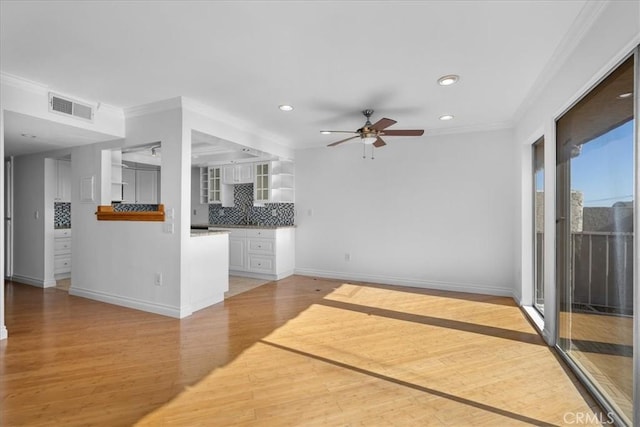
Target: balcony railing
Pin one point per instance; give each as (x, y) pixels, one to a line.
(601, 272)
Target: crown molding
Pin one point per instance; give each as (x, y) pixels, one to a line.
(153, 107)
(194, 106)
(22, 83)
(484, 127)
(576, 33)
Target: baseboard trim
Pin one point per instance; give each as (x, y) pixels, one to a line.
(32, 281)
(415, 283)
(262, 276)
(150, 307)
(207, 302)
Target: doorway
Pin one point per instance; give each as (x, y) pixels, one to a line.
(8, 217)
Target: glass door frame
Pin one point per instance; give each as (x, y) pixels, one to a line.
(636, 228)
(562, 239)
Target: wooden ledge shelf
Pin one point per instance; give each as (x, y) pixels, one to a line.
(106, 213)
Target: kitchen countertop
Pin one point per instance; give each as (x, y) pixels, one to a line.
(203, 232)
(223, 226)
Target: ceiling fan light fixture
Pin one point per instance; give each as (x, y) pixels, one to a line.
(448, 80)
(325, 132)
(285, 107)
(369, 139)
(446, 117)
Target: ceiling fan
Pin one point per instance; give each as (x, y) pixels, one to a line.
(372, 133)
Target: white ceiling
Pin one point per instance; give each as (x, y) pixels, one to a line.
(26, 134)
(328, 59)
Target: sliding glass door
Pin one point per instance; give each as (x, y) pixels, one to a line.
(595, 238)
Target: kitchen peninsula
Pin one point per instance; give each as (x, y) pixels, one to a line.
(257, 251)
(208, 266)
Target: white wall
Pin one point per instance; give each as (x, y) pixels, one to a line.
(117, 261)
(30, 98)
(611, 37)
(433, 212)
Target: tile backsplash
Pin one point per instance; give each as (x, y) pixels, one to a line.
(133, 207)
(244, 211)
(61, 215)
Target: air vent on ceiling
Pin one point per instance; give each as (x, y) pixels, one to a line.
(70, 107)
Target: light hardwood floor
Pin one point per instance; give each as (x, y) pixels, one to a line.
(297, 352)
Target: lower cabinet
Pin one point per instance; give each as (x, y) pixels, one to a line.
(237, 252)
(62, 252)
(262, 253)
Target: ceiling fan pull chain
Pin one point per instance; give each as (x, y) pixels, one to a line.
(364, 153)
(372, 158)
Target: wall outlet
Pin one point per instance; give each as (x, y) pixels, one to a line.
(168, 228)
(274, 212)
(221, 212)
(158, 280)
(195, 212)
(171, 213)
(347, 257)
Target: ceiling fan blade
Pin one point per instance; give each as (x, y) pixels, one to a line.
(379, 143)
(405, 132)
(383, 124)
(337, 131)
(344, 140)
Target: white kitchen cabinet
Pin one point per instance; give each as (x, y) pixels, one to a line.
(215, 185)
(116, 176)
(262, 253)
(212, 189)
(262, 184)
(239, 173)
(63, 181)
(140, 185)
(204, 186)
(62, 252)
(128, 185)
(273, 182)
(282, 181)
(237, 250)
(146, 186)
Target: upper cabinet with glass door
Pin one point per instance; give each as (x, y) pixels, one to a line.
(262, 185)
(273, 182)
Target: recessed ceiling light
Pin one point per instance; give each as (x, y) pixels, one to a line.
(325, 132)
(625, 95)
(285, 107)
(448, 80)
(446, 117)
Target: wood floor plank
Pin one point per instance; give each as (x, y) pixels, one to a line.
(301, 352)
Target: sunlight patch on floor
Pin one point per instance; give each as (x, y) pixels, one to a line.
(334, 366)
